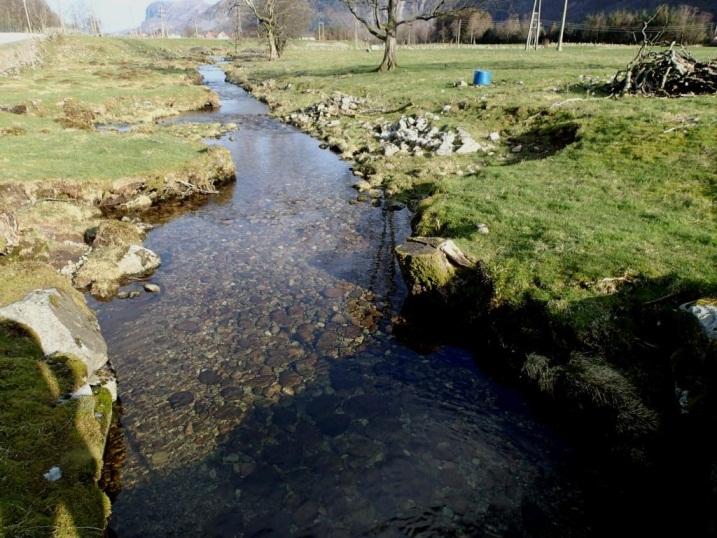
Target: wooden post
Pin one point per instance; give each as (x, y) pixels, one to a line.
(562, 27)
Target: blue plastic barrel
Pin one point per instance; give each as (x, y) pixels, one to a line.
(482, 78)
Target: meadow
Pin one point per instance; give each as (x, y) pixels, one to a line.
(609, 203)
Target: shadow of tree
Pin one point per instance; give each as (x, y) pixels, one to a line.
(42, 428)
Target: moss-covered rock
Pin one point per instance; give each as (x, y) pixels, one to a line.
(43, 429)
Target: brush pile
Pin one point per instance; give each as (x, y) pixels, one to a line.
(668, 73)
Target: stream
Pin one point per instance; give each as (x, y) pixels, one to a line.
(264, 393)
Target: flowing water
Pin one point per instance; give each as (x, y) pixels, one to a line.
(264, 393)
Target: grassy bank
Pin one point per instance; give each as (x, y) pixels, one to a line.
(593, 218)
(55, 148)
(60, 174)
(41, 429)
(618, 189)
(87, 81)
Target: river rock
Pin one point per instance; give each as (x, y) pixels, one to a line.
(60, 326)
(138, 261)
(152, 288)
(139, 203)
(416, 135)
(107, 267)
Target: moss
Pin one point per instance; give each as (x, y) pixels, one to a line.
(19, 279)
(115, 233)
(39, 431)
(425, 267)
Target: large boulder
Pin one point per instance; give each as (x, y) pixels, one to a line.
(60, 326)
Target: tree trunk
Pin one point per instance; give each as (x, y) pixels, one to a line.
(273, 49)
(389, 56)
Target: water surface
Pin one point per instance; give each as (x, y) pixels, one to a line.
(263, 391)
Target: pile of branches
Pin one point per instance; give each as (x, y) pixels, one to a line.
(668, 73)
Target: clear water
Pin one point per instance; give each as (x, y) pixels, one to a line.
(263, 391)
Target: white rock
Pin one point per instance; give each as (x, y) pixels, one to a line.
(60, 326)
(517, 149)
(140, 203)
(482, 229)
(138, 261)
(84, 390)
(705, 313)
(494, 137)
(389, 150)
(53, 475)
(152, 288)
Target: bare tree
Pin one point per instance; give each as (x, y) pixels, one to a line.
(279, 20)
(382, 18)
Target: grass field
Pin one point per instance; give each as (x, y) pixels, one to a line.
(604, 188)
(86, 81)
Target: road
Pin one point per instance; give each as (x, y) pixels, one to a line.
(7, 38)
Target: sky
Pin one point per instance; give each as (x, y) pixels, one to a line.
(116, 15)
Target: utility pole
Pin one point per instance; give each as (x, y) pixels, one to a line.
(534, 31)
(562, 27)
(27, 16)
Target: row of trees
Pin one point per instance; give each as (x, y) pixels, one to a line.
(16, 14)
(682, 24)
(382, 19)
(463, 21)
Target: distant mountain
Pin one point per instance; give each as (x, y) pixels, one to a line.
(182, 16)
(178, 15)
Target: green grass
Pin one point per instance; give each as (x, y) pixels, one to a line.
(37, 432)
(86, 81)
(633, 195)
(46, 151)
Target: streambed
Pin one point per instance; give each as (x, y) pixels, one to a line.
(264, 393)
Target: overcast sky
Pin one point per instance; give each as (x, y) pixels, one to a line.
(116, 15)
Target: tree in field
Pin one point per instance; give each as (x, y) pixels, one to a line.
(479, 22)
(382, 18)
(278, 20)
